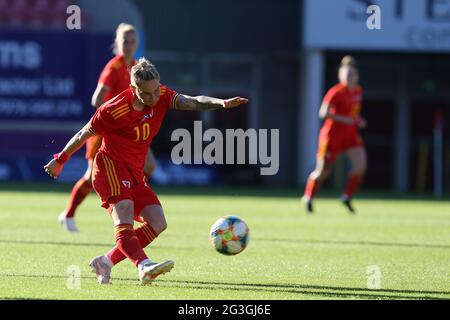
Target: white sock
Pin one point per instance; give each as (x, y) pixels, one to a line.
(108, 261)
(143, 263)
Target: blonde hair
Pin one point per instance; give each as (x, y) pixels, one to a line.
(143, 70)
(348, 61)
(120, 32)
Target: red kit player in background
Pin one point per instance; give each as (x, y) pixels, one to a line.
(128, 124)
(114, 79)
(340, 108)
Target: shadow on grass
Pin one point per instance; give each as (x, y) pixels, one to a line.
(361, 243)
(230, 191)
(325, 291)
(76, 244)
(301, 289)
(56, 243)
(300, 241)
(307, 241)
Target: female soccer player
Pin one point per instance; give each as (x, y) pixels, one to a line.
(340, 108)
(128, 124)
(114, 79)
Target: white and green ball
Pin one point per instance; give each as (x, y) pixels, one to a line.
(229, 235)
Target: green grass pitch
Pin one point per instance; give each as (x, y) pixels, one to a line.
(290, 255)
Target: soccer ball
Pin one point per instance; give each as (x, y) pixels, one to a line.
(229, 235)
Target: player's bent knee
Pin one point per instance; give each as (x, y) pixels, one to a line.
(359, 170)
(322, 175)
(316, 174)
(123, 212)
(163, 226)
(154, 215)
(88, 174)
(159, 226)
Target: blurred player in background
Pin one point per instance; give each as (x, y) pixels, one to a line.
(114, 79)
(340, 109)
(128, 124)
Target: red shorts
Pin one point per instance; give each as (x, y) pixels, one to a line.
(331, 146)
(114, 182)
(92, 146)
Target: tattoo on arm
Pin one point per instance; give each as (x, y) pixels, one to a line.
(78, 140)
(199, 103)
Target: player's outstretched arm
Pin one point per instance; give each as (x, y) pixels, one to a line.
(204, 103)
(54, 167)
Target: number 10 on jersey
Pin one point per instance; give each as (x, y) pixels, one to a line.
(143, 133)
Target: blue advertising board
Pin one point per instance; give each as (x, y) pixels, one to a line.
(46, 82)
(50, 76)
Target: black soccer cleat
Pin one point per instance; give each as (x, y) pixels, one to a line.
(347, 203)
(308, 206)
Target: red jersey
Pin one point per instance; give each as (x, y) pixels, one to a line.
(342, 102)
(127, 133)
(116, 76)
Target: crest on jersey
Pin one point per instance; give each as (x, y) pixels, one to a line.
(126, 183)
(147, 116)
